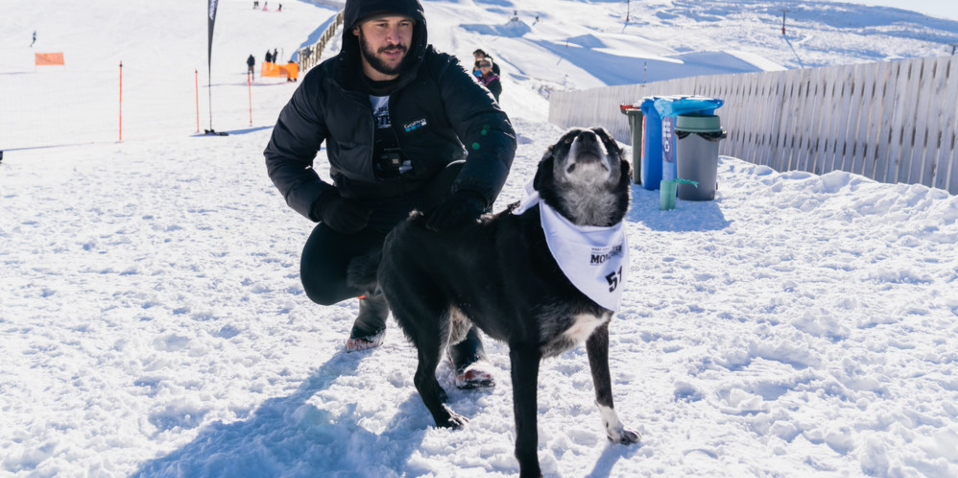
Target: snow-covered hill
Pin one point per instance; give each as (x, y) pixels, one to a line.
(152, 322)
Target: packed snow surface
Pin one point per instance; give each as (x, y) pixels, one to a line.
(152, 322)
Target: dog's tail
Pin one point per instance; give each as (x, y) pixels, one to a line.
(362, 271)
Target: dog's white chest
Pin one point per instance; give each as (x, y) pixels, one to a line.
(583, 325)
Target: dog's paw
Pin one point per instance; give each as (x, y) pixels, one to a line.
(624, 436)
(455, 420)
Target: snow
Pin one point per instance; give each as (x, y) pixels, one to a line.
(152, 322)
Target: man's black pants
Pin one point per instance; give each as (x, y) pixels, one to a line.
(327, 253)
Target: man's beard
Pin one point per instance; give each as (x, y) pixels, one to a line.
(375, 62)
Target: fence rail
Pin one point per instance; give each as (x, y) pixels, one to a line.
(890, 121)
(309, 56)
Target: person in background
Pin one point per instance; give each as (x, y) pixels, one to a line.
(405, 127)
(479, 55)
(489, 79)
(275, 55)
(250, 63)
(34, 38)
(269, 57)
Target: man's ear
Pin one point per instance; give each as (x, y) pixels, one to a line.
(356, 30)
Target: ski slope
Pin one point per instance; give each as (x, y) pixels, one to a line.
(152, 322)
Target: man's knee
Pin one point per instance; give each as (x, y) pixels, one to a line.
(321, 296)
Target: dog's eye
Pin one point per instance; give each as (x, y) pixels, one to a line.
(568, 140)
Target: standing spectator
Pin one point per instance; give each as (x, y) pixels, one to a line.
(280, 8)
(394, 115)
(265, 6)
(489, 79)
(269, 57)
(255, 4)
(250, 62)
(479, 55)
(275, 56)
(34, 38)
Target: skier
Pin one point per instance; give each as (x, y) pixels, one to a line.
(402, 151)
(249, 63)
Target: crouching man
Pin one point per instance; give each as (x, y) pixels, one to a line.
(405, 128)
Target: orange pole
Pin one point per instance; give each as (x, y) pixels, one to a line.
(197, 74)
(121, 101)
(249, 82)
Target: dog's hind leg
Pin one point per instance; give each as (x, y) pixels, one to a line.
(422, 317)
(431, 392)
(598, 348)
(525, 375)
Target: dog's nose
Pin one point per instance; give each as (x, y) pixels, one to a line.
(587, 137)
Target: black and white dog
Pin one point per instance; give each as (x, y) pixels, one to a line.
(501, 276)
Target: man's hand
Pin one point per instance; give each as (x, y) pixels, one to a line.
(458, 210)
(341, 215)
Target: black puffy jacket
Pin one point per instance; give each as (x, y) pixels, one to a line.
(439, 113)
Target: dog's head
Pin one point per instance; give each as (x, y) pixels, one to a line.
(584, 178)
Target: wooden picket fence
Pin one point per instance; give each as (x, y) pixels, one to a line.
(890, 121)
(309, 56)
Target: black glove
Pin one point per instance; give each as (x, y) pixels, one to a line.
(458, 210)
(341, 215)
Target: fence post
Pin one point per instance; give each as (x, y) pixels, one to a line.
(121, 102)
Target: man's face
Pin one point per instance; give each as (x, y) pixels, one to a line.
(384, 43)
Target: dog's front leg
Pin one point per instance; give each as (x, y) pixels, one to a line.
(525, 375)
(598, 349)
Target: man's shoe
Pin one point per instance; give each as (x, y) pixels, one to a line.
(477, 374)
(369, 329)
(469, 362)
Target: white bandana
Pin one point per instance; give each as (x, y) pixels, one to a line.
(595, 259)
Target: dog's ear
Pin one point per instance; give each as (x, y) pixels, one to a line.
(544, 171)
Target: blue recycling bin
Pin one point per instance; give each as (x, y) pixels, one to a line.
(658, 153)
(650, 171)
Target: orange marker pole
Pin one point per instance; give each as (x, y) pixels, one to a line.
(249, 82)
(121, 101)
(197, 76)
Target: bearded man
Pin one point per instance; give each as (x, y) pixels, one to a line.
(405, 128)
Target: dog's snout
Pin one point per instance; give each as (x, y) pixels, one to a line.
(588, 137)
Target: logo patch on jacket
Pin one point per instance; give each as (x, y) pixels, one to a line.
(419, 123)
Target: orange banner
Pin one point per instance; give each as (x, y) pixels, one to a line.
(292, 70)
(49, 59)
(269, 69)
(289, 70)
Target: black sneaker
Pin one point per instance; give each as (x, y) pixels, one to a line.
(472, 370)
(369, 329)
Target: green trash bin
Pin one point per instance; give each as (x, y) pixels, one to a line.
(636, 121)
(696, 153)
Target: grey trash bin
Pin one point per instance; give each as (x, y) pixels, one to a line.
(696, 153)
(636, 120)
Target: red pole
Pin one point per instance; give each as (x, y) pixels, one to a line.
(197, 74)
(121, 101)
(249, 82)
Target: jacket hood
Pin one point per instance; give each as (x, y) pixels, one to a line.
(356, 10)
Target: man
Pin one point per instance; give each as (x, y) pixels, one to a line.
(395, 114)
(250, 62)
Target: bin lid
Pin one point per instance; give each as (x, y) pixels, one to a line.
(698, 123)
